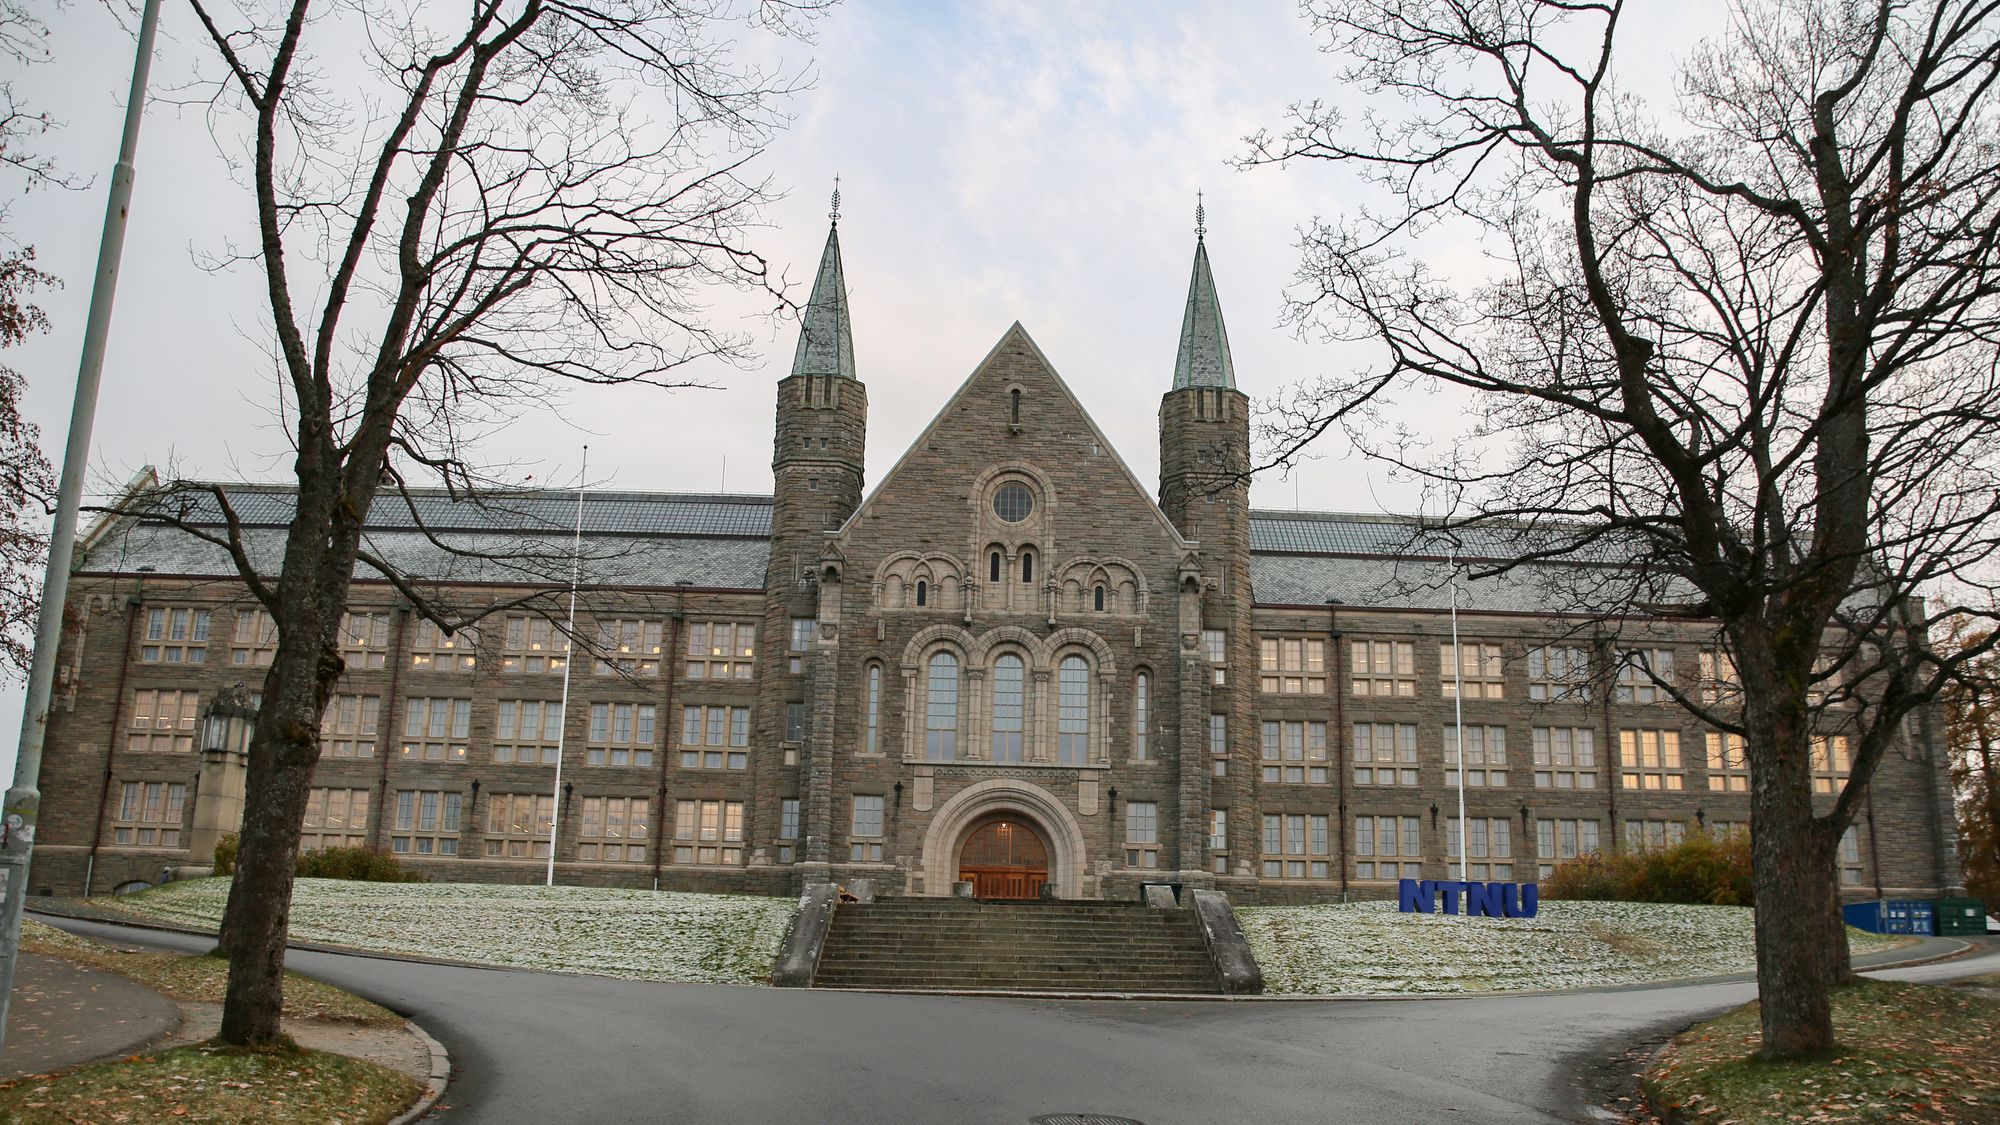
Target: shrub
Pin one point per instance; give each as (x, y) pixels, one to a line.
(358, 864)
(225, 855)
(1702, 869)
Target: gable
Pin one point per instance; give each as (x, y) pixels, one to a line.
(938, 494)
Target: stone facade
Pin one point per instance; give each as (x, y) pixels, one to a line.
(1009, 628)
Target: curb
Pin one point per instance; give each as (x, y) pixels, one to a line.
(434, 1086)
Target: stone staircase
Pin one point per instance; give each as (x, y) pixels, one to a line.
(954, 944)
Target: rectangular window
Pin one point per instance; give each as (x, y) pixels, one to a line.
(1296, 846)
(1142, 834)
(1218, 744)
(1559, 673)
(1726, 761)
(335, 818)
(1559, 840)
(436, 730)
(426, 823)
(1491, 848)
(1294, 752)
(527, 732)
(1565, 758)
(253, 641)
(1291, 665)
(1642, 672)
(1386, 847)
(1652, 835)
(1384, 668)
(1850, 856)
(788, 829)
(517, 825)
(149, 814)
(1719, 682)
(1215, 646)
(1649, 759)
(1218, 830)
(720, 650)
(1479, 666)
(804, 631)
(714, 738)
(175, 636)
(635, 647)
(1485, 756)
(1829, 762)
(163, 720)
(348, 728)
(533, 645)
(709, 833)
(364, 641)
(795, 721)
(1385, 753)
(433, 649)
(613, 830)
(621, 734)
(865, 844)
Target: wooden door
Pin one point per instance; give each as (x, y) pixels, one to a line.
(1004, 859)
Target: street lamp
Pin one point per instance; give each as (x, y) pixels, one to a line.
(225, 760)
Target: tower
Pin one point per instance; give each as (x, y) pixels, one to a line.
(1205, 491)
(816, 463)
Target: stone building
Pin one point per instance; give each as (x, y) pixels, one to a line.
(1012, 663)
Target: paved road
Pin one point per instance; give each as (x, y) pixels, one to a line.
(536, 1048)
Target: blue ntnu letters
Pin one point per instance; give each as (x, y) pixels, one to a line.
(1482, 900)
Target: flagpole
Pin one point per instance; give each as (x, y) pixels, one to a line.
(569, 663)
(1458, 702)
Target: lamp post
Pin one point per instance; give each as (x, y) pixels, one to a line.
(226, 727)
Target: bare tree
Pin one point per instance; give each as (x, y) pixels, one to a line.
(1744, 347)
(530, 194)
(1972, 727)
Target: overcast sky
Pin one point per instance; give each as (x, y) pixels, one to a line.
(998, 162)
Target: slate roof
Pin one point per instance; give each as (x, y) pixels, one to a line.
(656, 539)
(826, 338)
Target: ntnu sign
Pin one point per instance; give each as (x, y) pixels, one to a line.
(1492, 900)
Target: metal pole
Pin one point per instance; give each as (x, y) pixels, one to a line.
(1458, 701)
(24, 800)
(569, 663)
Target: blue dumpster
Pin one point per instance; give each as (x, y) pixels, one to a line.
(1895, 916)
(1864, 916)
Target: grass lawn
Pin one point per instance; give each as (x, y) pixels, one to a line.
(200, 977)
(1908, 1052)
(638, 934)
(213, 1085)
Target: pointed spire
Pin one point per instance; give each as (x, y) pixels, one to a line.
(1204, 355)
(826, 342)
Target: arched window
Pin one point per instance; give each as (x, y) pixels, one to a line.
(1097, 598)
(993, 567)
(871, 742)
(923, 592)
(1142, 703)
(941, 709)
(1027, 566)
(1073, 711)
(1008, 710)
(1014, 397)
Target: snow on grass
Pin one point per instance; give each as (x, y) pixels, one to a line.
(1372, 947)
(635, 934)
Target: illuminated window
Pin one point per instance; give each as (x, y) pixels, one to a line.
(364, 640)
(1649, 759)
(635, 648)
(533, 644)
(1727, 762)
(720, 650)
(613, 830)
(435, 650)
(1291, 665)
(517, 825)
(1384, 668)
(708, 833)
(436, 730)
(1829, 762)
(163, 720)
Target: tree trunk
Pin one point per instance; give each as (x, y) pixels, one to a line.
(1796, 899)
(256, 923)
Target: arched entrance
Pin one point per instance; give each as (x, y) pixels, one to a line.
(1004, 857)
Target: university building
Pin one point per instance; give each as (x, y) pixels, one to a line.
(1013, 663)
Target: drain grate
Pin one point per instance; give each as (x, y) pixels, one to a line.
(1081, 1119)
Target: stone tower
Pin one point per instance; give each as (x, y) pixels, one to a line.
(816, 461)
(1205, 491)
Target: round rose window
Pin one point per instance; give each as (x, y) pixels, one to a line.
(1013, 503)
